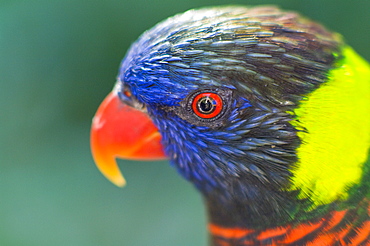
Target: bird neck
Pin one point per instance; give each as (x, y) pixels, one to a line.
(288, 220)
(269, 208)
(337, 226)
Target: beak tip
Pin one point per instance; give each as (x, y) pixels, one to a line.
(109, 168)
(119, 181)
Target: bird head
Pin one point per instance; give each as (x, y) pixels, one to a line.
(215, 91)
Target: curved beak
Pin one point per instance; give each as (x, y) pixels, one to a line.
(120, 131)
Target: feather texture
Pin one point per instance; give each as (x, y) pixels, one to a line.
(271, 163)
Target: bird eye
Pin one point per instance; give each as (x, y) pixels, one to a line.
(207, 105)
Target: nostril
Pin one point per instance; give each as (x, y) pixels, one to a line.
(127, 93)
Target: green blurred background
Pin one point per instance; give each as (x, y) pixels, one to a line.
(58, 60)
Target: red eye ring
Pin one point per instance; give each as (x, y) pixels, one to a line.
(207, 105)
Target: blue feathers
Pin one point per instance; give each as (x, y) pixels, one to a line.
(259, 69)
(213, 157)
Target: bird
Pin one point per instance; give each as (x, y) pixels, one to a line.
(264, 111)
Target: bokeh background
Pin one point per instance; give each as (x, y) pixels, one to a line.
(58, 60)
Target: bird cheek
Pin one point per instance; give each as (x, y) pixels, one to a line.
(120, 131)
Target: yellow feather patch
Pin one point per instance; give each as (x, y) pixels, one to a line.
(336, 140)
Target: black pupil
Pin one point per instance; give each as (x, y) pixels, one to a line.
(206, 105)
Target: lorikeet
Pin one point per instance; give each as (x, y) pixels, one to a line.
(266, 112)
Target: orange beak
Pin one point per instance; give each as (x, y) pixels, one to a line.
(120, 131)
